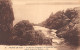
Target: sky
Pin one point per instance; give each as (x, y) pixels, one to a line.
(37, 11)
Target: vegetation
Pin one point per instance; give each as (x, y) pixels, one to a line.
(67, 25)
(41, 39)
(6, 20)
(57, 20)
(24, 34)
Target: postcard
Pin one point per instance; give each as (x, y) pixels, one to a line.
(39, 24)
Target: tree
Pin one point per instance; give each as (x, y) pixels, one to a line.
(71, 13)
(6, 20)
(23, 33)
(71, 31)
(70, 34)
(57, 20)
(67, 24)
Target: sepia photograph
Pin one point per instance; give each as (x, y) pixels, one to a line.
(39, 24)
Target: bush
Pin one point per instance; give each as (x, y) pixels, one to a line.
(70, 31)
(71, 13)
(70, 35)
(41, 39)
(57, 20)
(23, 33)
(67, 25)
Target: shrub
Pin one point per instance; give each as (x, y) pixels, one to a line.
(57, 20)
(23, 33)
(41, 39)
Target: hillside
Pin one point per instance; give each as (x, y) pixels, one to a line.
(67, 24)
